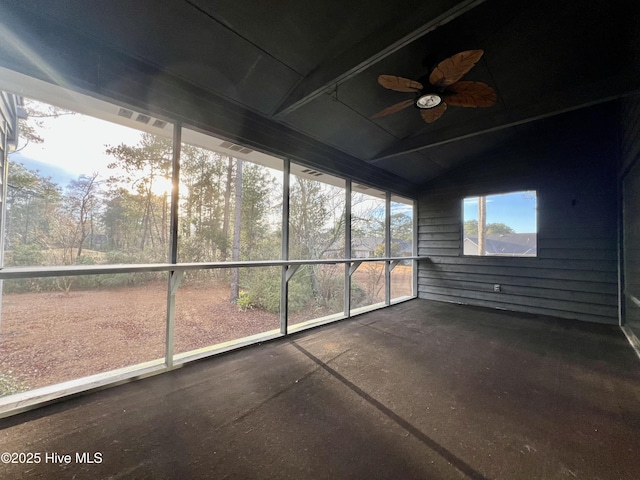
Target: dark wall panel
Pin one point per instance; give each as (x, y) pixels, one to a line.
(575, 273)
(631, 209)
(630, 132)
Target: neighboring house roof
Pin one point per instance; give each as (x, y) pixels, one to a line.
(403, 245)
(366, 243)
(507, 244)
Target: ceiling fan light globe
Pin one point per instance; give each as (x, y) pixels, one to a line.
(429, 100)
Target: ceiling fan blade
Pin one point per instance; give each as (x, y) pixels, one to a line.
(430, 115)
(452, 69)
(393, 109)
(399, 84)
(471, 94)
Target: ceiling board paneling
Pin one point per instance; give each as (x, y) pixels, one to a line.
(278, 64)
(349, 131)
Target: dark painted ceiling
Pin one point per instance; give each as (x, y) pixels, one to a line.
(299, 77)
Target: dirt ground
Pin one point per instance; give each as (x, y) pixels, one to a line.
(51, 337)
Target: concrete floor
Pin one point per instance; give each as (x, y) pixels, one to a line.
(421, 390)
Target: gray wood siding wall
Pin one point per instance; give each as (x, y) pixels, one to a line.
(575, 273)
(631, 209)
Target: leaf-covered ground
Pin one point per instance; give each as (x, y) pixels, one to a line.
(52, 337)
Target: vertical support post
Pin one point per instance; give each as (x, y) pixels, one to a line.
(4, 153)
(175, 193)
(347, 249)
(387, 249)
(482, 223)
(171, 318)
(174, 276)
(415, 263)
(284, 285)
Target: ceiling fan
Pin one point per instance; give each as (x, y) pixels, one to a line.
(443, 89)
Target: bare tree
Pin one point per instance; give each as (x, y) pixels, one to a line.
(82, 201)
(141, 166)
(316, 223)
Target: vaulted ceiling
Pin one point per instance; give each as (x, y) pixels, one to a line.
(299, 77)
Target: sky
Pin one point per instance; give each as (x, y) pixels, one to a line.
(517, 210)
(74, 145)
(58, 174)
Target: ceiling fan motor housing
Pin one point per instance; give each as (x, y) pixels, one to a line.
(428, 100)
(441, 88)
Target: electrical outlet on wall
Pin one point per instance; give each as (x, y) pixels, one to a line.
(497, 288)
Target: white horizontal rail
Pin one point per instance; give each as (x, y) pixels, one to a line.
(10, 273)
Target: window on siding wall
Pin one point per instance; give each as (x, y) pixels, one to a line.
(501, 225)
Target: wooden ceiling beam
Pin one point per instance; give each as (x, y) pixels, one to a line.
(606, 90)
(374, 48)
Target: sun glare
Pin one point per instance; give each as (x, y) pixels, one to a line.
(161, 186)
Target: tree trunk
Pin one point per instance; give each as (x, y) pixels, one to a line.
(26, 224)
(313, 277)
(83, 226)
(227, 209)
(146, 223)
(237, 217)
(163, 236)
